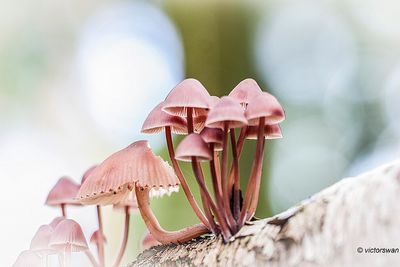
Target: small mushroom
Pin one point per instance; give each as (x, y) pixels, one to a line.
(264, 106)
(68, 237)
(99, 239)
(63, 193)
(28, 258)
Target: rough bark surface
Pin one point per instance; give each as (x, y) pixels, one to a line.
(324, 230)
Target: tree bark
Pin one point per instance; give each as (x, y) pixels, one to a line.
(328, 229)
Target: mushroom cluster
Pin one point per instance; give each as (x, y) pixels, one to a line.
(215, 132)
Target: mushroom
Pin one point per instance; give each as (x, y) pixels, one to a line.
(63, 193)
(135, 166)
(194, 149)
(68, 237)
(261, 110)
(158, 121)
(40, 242)
(28, 258)
(99, 239)
(228, 114)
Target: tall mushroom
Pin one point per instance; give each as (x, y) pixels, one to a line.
(226, 115)
(63, 193)
(135, 167)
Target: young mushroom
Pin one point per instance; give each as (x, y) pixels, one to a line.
(68, 237)
(63, 193)
(261, 110)
(226, 115)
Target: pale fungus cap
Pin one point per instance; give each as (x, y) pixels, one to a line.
(63, 192)
(157, 120)
(189, 93)
(193, 146)
(40, 241)
(265, 105)
(96, 237)
(68, 236)
(212, 135)
(135, 165)
(270, 132)
(28, 258)
(87, 173)
(246, 90)
(226, 110)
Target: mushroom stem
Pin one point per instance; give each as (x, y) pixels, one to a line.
(182, 180)
(205, 195)
(225, 182)
(162, 236)
(236, 184)
(255, 171)
(124, 239)
(218, 194)
(190, 120)
(91, 258)
(100, 243)
(254, 199)
(239, 148)
(63, 210)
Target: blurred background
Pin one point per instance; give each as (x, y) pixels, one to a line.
(77, 79)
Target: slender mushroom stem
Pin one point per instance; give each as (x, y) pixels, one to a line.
(179, 174)
(236, 184)
(239, 148)
(254, 199)
(63, 210)
(162, 236)
(224, 178)
(100, 243)
(217, 170)
(124, 239)
(91, 258)
(257, 164)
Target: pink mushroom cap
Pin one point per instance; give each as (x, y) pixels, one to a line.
(193, 146)
(212, 135)
(227, 110)
(68, 235)
(28, 258)
(270, 132)
(246, 90)
(96, 237)
(190, 93)
(40, 241)
(157, 120)
(112, 181)
(264, 105)
(63, 192)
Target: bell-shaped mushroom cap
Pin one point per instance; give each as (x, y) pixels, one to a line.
(40, 241)
(264, 105)
(28, 258)
(245, 90)
(149, 241)
(63, 192)
(212, 135)
(157, 120)
(226, 110)
(87, 173)
(96, 237)
(270, 132)
(116, 176)
(56, 221)
(189, 93)
(68, 235)
(193, 146)
(129, 202)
